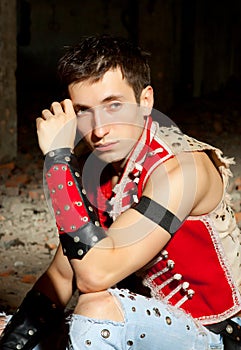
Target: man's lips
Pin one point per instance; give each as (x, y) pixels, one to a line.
(105, 147)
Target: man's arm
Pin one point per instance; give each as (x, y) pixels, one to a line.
(185, 185)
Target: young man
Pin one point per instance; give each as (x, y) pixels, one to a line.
(132, 198)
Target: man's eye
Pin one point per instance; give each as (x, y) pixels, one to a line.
(80, 112)
(113, 106)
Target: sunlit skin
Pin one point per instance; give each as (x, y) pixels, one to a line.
(108, 115)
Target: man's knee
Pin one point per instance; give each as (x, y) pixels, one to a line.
(99, 305)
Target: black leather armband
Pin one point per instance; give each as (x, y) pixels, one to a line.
(36, 318)
(158, 214)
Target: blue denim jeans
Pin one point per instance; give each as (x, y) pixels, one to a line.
(148, 324)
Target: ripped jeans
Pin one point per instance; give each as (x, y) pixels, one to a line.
(148, 324)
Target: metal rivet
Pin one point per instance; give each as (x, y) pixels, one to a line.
(148, 312)
(70, 183)
(77, 174)
(238, 338)
(157, 312)
(49, 174)
(90, 208)
(66, 207)
(94, 238)
(80, 252)
(97, 223)
(168, 320)
(83, 191)
(78, 204)
(142, 335)
(122, 295)
(64, 167)
(51, 154)
(31, 332)
(130, 342)
(73, 227)
(84, 218)
(56, 167)
(88, 342)
(60, 186)
(76, 239)
(53, 190)
(18, 346)
(229, 329)
(67, 158)
(58, 212)
(105, 333)
(133, 309)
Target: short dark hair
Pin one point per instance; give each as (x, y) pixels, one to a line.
(95, 55)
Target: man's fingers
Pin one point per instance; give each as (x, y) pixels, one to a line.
(56, 108)
(67, 106)
(46, 114)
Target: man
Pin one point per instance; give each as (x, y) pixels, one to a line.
(132, 198)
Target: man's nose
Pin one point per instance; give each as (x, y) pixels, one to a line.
(100, 124)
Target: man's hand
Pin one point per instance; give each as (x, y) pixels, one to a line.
(57, 126)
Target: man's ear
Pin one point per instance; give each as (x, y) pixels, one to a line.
(147, 99)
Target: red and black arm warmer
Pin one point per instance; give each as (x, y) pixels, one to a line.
(76, 219)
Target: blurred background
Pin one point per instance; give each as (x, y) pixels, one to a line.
(195, 48)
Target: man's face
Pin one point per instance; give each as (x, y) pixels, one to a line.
(108, 116)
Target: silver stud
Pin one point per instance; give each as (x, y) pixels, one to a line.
(18, 346)
(56, 167)
(58, 212)
(88, 342)
(229, 329)
(76, 239)
(64, 167)
(133, 309)
(62, 229)
(31, 332)
(60, 186)
(64, 250)
(77, 174)
(83, 191)
(73, 227)
(97, 223)
(129, 342)
(168, 320)
(80, 252)
(49, 174)
(84, 218)
(51, 154)
(90, 208)
(53, 190)
(70, 183)
(67, 158)
(142, 335)
(78, 204)
(105, 333)
(94, 238)
(66, 207)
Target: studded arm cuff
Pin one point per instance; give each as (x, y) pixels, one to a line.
(77, 222)
(35, 319)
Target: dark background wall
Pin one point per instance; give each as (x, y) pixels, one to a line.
(195, 45)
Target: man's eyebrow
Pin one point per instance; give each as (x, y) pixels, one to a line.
(112, 98)
(106, 99)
